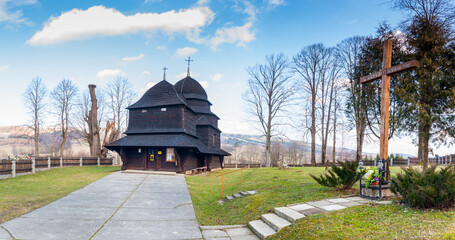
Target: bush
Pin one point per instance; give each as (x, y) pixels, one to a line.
(341, 177)
(430, 189)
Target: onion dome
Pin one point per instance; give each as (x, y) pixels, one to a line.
(191, 89)
(162, 94)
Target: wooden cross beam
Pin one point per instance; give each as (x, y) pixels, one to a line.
(384, 74)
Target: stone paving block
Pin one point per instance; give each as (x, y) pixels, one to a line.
(246, 237)
(30, 228)
(244, 193)
(261, 229)
(237, 195)
(218, 238)
(338, 200)
(301, 207)
(319, 203)
(235, 232)
(351, 204)
(4, 234)
(252, 192)
(214, 233)
(355, 198)
(229, 197)
(275, 221)
(333, 207)
(312, 211)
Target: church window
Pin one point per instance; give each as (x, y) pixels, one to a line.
(163, 109)
(213, 140)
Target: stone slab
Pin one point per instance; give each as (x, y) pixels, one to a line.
(237, 195)
(4, 234)
(355, 198)
(238, 232)
(319, 203)
(338, 200)
(183, 212)
(288, 214)
(29, 228)
(214, 233)
(333, 207)
(252, 192)
(247, 237)
(312, 211)
(221, 227)
(261, 229)
(244, 193)
(75, 213)
(229, 197)
(138, 230)
(300, 207)
(275, 221)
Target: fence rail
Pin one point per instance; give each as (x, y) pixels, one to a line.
(24, 166)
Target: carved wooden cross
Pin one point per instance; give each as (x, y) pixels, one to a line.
(385, 73)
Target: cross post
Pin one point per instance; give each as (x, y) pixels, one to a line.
(188, 71)
(384, 74)
(164, 72)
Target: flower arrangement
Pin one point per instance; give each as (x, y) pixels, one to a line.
(372, 175)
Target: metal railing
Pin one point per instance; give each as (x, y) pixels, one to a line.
(222, 180)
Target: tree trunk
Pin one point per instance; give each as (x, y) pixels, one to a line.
(94, 129)
(360, 135)
(313, 129)
(334, 132)
(36, 135)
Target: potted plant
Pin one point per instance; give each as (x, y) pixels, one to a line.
(372, 176)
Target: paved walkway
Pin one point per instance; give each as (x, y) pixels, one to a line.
(118, 206)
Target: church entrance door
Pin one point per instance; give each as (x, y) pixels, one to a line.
(154, 158)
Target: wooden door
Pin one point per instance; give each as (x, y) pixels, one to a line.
(151, 161)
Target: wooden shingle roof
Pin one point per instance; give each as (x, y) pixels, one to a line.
(162, 94)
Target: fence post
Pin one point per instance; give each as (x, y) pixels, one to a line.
(80, 161)
(391, 161)
(260, 165)
(248, 165)
(61, 162)
(374, 162)
(236, 165)
(49, 163)
(98, 161)
(33, 165)
(451, 159)
(13, 168)
(409, 160)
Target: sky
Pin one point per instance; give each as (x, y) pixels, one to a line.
(91, 42)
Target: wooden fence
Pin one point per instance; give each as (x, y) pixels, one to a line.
(14, 167)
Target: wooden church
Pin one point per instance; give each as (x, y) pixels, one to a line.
(171, 128)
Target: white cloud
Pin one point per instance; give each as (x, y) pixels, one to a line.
(276, 2)
(216, 77)
(204, 84)
(145, 73)
(3, 67)
(136, 58)
(10, 16)
(186, 51)
(109, 73)
(202, 2)
(148, 86)
(239, 34)
(161, 47)
(99, 20)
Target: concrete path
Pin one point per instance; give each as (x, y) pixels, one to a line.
(118, 206)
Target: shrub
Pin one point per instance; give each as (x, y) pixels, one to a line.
(430, 189)
(341, 177)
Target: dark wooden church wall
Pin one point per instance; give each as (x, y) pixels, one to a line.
(190, 122)
(215, 162)
(154, 118)
(203, 134)
(211, 133)
(134, 159)
(212, 120)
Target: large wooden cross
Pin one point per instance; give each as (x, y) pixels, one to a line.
(385, 73)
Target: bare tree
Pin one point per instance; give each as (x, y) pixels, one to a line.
(349, 51)
(91, 109)
(309, 65)
(120, 94)
(64, 96)
(34, 97)
(269, 93)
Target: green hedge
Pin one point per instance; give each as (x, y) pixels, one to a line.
(431, 189)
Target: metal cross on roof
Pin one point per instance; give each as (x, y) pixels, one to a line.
(164, 74)
(188, 71)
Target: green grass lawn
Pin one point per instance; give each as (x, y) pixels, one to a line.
(280, 187)
(25, 193)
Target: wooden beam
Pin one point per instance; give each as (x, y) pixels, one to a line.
(385, 101)
(390, 71)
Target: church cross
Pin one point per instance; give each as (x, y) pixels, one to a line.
(188, 71)
(164, 74)
(384, 74)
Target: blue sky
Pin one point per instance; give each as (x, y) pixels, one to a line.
(92, 41)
